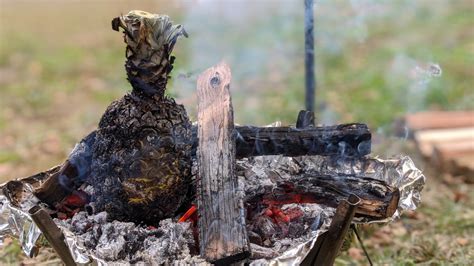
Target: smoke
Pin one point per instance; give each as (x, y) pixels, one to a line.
(410, 78)
(338, 23)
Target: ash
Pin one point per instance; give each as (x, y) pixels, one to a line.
(126, 242)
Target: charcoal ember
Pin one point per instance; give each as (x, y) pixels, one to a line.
(297, 220)
(255, 238)
(265, 227)
(304, 220)
(283, 244)
(296, 227)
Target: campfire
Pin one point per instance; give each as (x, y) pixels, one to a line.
(148, 186)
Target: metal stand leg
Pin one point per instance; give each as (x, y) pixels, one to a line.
(328, 245)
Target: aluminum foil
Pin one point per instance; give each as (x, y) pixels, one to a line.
(17, 223)
(399, 172)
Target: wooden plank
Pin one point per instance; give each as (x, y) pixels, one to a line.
(454, 148)
(456, 158)
(427, 139)
(445, 134)
(464, 165)
(222, 231)
(439, 119)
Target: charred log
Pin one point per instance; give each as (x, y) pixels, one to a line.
(377, 199)
(346, 139)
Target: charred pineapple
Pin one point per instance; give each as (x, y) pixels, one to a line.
(142, 150)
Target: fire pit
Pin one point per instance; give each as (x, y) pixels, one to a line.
(261, 194)
(273, 239)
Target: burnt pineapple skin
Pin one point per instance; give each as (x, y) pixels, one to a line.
(142, 159)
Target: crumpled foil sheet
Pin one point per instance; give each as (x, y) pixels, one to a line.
(399, 172)
(17, 223)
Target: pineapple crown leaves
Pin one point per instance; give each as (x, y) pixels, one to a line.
(156, 31)
(150, 39)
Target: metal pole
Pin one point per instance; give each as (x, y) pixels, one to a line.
(52, 233)
(310, 79)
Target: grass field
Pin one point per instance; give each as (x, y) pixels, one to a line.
(61, 65)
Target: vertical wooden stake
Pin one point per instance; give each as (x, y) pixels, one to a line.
(222, 233)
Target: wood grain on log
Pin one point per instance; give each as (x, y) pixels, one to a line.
(222, 231)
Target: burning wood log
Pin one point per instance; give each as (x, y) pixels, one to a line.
(344, 139)
(222, 230)
(377, 199)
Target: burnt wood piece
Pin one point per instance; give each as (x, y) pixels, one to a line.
(346, 139)
(53, 190)
(222, 232)
(15, 190)
(70, 175)
(377, 199)
(305, 119)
